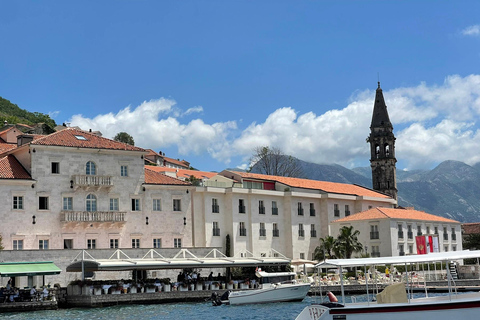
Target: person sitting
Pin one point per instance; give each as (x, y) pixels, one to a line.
(33, 294)
(14, 295)
(45, 293)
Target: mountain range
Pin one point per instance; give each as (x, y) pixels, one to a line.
(451, 190)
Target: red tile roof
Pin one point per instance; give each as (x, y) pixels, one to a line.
(174, 161)
(330, 187)
(394, 213)
(4, 147)
(152, 177)
(67, 138)
(184, 173)
(10, 168)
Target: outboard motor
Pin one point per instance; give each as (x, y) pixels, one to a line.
(225, 295)
(216, 301)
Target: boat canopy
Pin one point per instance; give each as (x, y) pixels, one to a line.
(399, 260)
(184, 259)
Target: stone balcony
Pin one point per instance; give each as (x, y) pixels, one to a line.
(79, 217)
(91, 181)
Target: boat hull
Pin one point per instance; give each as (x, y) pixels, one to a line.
(279, 293)
(434, 310)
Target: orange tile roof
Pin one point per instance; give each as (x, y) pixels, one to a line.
(66, 138)
(184, 173)
(152, 153)
(4, 147)
(152, 177)
(178, 162)
(330, 187)
(6, 130)
(394, 213)
(10, 168)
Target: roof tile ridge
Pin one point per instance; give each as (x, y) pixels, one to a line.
(382, 212)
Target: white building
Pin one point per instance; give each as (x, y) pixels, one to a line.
(391, 232)
(75, 189)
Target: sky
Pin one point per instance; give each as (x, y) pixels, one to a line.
(208, 81)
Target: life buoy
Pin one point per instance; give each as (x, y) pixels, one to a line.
(331, 297)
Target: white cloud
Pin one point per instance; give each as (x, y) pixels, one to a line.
(193, 110)
(472, 30)
(432, 123)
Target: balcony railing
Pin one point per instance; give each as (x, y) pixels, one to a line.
(419, 233)
(400, 234)
(216, 232)
(375, 254)
(276, 232)
(95, 216)
(454, 237)
(243, 232)
(91, 181)
(402, 253)
(410, 235)
(275, 211)
(215, 209)
(374, 235)
(263, 232)
(347, 213)
(336, 213)
(241, 209)
(301, 233)
(313, 233)
(312, 212)
(445, 236)
(300, 211)
(261, 210)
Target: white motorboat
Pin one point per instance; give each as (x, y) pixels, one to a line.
(273, 287)
(397, 304)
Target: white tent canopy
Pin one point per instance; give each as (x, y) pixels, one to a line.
(183, 259)
(400, 260)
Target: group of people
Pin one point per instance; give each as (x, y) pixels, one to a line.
(187, 277)
(12, 294)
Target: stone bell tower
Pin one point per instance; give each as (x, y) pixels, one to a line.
(382, 148)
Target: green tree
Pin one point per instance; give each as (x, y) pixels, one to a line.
(194, 180)
(326, 249)
(125, 138)
(348, 243)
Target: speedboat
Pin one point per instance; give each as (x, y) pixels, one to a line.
(396, 302)
(273, 287)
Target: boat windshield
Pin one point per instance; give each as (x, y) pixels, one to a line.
(276, 279)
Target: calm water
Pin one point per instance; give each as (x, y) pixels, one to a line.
(179, 311)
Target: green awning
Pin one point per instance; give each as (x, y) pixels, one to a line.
(21, 269)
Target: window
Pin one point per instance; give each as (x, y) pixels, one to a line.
(91, 243)
(347, 210)
(301, 231)
(313, 231)
(67, 243)
(274, 208)
(436, 231)
(113, 204)
(454, 248)
(79, 137)
(261, 207)
(454, 235)
(177, 243)
(18, 203)
(428, 230)
(177, 205)
(67, 203)
(276, 232)
(419, 230)
(374, 232)
(410, 249)
(113, 243)
(401, 250)
(302, 255)
(400, 231)
(243, 230)
(136, 243)
(91, 203)
(409, 232)
(300, 209)
(55, 167)
(375, 251)
(445, 234)
(157, 205)
(43, 244)
(216, 229)
(445, 248)
(124, 171)
(312, 210)
(157, 243)
(241, 206)
(135, 204)
(263, 231)
(336, 212)
(90, 169)
(17, 244)
(215, 207)
(42, 203)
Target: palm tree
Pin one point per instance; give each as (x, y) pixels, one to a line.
(347, 242)
(325, 249)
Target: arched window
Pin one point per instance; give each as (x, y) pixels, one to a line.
(377, 151)
(387, 150)
(90, 168)
(91, 204)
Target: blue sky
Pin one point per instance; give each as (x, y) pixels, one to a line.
(208, 81)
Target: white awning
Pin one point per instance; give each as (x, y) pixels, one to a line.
(399, 260)
(184, 259)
